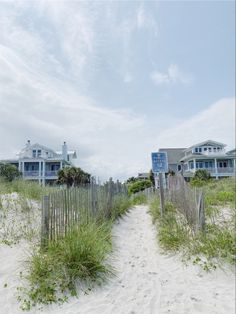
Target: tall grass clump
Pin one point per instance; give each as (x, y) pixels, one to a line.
(216, 243)
(139, 199)
(120, 206)
(55, 273)
(27, 189)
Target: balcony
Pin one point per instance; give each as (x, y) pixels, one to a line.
(31, 173)
(227, 171)
(36, 173)
(51, 173)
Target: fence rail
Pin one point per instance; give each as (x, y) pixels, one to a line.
(188, 201)
(64, 209)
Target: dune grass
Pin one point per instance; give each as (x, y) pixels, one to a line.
(27, 189)
(56, 272)
(211, 248)
(80, 256)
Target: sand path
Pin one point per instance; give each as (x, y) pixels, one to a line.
(147, 282)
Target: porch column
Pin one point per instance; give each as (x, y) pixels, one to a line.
(60, 164)
(40, 169)
(216, 172)
(23, 168)
(194, 165)
(234, 165)
(43, 174)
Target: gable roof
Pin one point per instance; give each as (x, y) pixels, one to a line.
(208, 142)
(231, 152)
(37, 145)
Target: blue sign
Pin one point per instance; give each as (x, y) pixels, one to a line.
(159, 162)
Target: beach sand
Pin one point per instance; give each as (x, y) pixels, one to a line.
(147, 281)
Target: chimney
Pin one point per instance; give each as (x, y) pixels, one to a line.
(28, 143)
(64, 151)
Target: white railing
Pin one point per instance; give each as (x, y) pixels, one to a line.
(38, 174)
(31, 173)
(51, 173)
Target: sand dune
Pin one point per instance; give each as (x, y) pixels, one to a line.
(147, 281)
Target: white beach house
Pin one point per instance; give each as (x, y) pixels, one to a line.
(209, 155)
(39, 163)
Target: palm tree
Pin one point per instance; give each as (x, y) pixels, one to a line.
(73, 176)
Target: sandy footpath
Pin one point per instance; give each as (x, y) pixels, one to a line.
(146, 282)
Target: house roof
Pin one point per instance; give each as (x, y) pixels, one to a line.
(208, 142)
(37, 145)
(231, 152)
(173, 154)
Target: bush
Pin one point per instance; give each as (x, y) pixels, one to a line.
(201, 177)
(9, 172)
(138, 186)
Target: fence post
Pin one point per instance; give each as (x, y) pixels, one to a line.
(161, 189)
(201, 212)
(109, 198)
(45, 222)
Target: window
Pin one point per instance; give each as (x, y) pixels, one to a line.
(196, 150)
(34, 153)
(200, 149)
(39, 152)
(206, 164)
(205, 149)
(209, 149)
(214, 149)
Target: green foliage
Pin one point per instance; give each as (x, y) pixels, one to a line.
(131, 180)
(27, 189)
(9, 172)
(154, 208)
(201, 178)
(139, 199)
(78, 257)
(73, 176)
(216, 243)
(221, 192)
(121, 205)
(211, 247)
(138, 186)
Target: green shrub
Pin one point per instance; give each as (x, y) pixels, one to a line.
(9, 172)
(139, 186)
(78, 257)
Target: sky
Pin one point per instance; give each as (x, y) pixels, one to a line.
(116, 80)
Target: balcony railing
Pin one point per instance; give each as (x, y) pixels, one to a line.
(51, 173)
(220, 170)
(31, 173)
(37, 173)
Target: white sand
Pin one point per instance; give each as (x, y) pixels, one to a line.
(146, 282)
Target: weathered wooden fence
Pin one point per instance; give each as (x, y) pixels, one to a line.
(189, 201)
(64, 209)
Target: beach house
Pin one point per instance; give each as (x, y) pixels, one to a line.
(40, 163)
(209, 155)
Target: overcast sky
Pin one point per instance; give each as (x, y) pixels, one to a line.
(116, 80)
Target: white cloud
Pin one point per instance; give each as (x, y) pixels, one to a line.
(46, 58)
(217, 122)
(172, 76)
